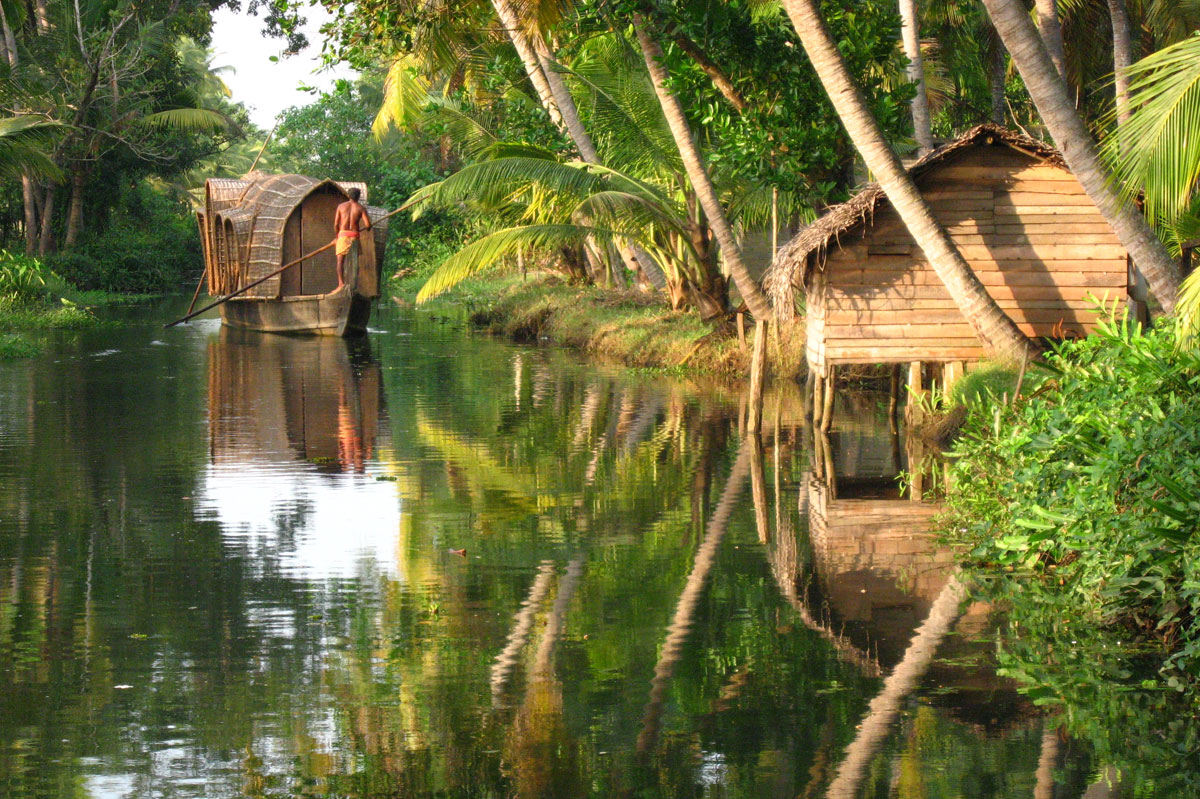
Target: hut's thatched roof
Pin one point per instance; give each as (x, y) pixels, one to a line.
(788, 267)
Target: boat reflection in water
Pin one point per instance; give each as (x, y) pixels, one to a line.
(294, 424)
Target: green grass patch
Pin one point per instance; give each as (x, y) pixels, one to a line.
(45, 316)
(628, 326)
(13, 346)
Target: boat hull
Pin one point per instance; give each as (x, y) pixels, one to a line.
(341, 313)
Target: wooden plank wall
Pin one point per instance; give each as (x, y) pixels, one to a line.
(1032, 235)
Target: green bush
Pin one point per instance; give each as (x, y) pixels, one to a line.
(150, 244)
(25, 280)
(1077, 510)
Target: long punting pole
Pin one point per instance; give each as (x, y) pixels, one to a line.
(278, 271)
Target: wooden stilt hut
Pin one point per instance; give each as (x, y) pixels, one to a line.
(252, 226)
(1020, 218)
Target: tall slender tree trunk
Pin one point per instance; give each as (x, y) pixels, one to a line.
(1053, 102)
(1122, 56)
(533, 67)
(1051, 33)
(910, 32)
(42, 16)
(28, 196)
(697, 173)
(997, 75)
(46, 239)
(994, 328)
(75, 210)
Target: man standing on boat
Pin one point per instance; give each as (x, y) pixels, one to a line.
(349, 219)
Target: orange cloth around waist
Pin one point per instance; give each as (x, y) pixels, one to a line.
(347, 234)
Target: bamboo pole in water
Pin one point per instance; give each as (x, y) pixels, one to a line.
(757, 369)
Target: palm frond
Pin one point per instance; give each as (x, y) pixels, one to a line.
(1187, 309)
(405, 94)
(465, 128)
(187, 119)
(1157, 150)
(486, 252)
(24, 148)
(490, 184)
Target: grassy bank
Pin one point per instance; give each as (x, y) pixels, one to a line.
(34, 299)
(627, 326)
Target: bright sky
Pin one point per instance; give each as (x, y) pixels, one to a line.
(266, 88)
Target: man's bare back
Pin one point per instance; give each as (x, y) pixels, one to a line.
(348, 220)
(349, 217)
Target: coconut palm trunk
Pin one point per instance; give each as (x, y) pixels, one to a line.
(910, 33)
(1054, 104)
(1122, 56)
(997, 75)
(533, 67)
(697, 173)
(998, 332)
(1051, 33)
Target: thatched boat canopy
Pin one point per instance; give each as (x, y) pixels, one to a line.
(247, 224)
(789, 267)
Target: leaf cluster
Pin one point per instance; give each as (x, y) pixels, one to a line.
(1079, 508)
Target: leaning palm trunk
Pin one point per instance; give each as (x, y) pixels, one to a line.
(1122, 56)
(994, 328)
(529, 58)
(910, 32)
(886, 706)
(698, 174)
(1058, 112)
(1051, 33)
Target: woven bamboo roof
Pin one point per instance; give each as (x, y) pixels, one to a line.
(788, 269)
(262, 208)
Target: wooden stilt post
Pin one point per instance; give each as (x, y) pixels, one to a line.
(916, 389)
(758, 366)
(810, 382)
(827, 401)
(758, 486)
(893, 397)
(952, 371)
(818, 400)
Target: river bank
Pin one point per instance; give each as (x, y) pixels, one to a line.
(1073, 510)
(631, 327)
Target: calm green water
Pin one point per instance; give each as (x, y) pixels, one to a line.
(434, 564)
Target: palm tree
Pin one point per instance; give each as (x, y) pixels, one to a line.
(910, 33)
(1122, 56)
(993, 327)
(1154, 154)
(1057, 110)
(1050, 30)
(697, 173)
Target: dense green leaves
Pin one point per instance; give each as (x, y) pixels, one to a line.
(1080, 513)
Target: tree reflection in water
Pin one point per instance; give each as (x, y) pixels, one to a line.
(281, 598)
